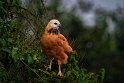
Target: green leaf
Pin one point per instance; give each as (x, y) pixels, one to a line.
(35, 57)
(10, 40)
(2, 42)
(6, 50)
(71, 57)
(30, 60)
(14, 54)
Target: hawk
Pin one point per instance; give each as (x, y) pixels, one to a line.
(55, 45)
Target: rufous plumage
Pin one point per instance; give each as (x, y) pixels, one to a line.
(55, 45)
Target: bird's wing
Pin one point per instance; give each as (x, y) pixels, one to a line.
(62, 41)
(60, 36)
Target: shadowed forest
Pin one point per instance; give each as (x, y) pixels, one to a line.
(99, 50)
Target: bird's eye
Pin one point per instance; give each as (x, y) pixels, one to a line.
(55, 23)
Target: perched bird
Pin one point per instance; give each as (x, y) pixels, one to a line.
(55, 45)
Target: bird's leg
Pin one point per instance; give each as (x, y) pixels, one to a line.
(60, 73)
(50, 64)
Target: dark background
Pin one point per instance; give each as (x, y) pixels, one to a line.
(95, 32)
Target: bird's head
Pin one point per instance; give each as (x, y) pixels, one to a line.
(53, 25)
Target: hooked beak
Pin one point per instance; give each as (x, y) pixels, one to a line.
(60, 26)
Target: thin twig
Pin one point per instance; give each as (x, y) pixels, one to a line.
(30, 68)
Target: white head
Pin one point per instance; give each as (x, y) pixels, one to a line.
(53, 24)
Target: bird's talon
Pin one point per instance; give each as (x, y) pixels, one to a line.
(60, 74)
(48, 69)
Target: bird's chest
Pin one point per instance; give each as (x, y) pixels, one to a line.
(49, 41)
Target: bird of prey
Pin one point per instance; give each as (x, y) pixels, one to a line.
(55, 45)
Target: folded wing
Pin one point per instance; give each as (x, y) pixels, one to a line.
(62, 41)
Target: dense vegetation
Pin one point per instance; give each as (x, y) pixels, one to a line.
(21, 57)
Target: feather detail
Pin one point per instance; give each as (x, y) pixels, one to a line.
(55, 45)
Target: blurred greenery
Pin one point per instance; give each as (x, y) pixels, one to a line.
(99, 56)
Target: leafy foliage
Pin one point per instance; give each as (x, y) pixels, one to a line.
(21, 59)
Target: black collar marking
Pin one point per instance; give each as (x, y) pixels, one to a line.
(53, 31)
